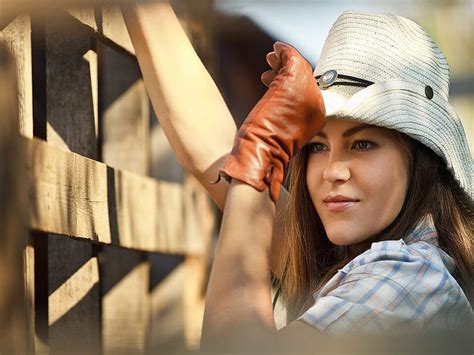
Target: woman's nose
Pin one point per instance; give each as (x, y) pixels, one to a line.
(336, 171)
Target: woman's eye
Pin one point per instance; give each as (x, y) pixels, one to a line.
(316, 147)
(363, 145)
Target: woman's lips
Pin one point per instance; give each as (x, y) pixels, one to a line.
(339, 203)
(339, 206)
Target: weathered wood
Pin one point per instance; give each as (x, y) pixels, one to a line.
(71, 87)
(75, 196)
(13, 237)
(86, 16)
(163, 164)
(124, 111)
(113, 27)
(40, 242)
(167, 319)
(29, 272)
(201, 222)
(178, 284)
(71, 112)
(125, 137)
(74, 297)
(107, 24)
(17, 37)
(125, 283)
(11, 8)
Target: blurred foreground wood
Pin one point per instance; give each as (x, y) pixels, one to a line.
(12, 237)
(458, 342)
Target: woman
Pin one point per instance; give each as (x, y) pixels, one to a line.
(369, 240)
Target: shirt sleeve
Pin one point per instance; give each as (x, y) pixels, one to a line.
(390, 287)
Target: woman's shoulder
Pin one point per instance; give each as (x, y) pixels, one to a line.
(392, 284)
(420, 267)
(398, 252)
(420, 247)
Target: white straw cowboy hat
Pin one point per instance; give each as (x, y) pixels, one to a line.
(385, 70)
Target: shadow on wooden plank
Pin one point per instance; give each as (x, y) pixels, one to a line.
(168, 275)
(74, 334)
(71, 86)
(124, 111)
(73, 295)
(124, 278)
(112, 207)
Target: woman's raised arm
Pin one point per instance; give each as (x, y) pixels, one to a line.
(186, 100)
(190, 108)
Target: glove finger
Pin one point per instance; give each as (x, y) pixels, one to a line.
(284, 51)
(267, 77)
(277, 180)
(274, 61)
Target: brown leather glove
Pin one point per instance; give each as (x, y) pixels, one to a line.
(289, 114)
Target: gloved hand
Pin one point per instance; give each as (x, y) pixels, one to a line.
(289, 114)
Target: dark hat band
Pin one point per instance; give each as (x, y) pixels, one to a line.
(331, 77)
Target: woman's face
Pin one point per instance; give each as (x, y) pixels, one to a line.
(357, 177)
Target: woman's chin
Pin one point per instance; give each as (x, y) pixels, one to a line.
(345, 236)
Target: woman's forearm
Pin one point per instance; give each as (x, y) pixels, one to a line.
(185, 98)
(239, 287)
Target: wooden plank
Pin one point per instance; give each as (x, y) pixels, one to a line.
(12, 238)
(163, 164)
(76, 196)
(113, 27)
(11, 8)
(72, 124)
(178, 284)
(71, 87)
(29, 272)
(86, 16)
(167, 319)
(125, 283)
(73, 297)
(107, 24)
(200, 223)
(17, 37)
(124, 111)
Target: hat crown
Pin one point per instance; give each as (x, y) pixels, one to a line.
(379, 47)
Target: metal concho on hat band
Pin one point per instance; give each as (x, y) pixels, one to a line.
(329, 78)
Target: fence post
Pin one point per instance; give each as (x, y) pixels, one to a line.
(12, 238)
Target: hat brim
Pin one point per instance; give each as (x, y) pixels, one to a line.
(404, 106)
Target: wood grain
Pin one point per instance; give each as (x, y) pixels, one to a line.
(17, 37)
(125, 308)
(73, 297)
(107, 24)
(71, 87)
(124, 111)
(75, 196)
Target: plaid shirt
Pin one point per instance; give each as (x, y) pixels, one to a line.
(395, 285)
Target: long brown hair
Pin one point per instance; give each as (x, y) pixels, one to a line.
(309, 259)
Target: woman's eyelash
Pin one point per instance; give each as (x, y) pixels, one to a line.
(316, 147)
(362, 145)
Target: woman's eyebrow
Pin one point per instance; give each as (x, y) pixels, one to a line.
(349, 132)
(356, 129)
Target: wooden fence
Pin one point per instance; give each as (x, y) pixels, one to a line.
(114, 259)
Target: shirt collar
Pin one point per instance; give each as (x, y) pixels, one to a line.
(425, 231)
